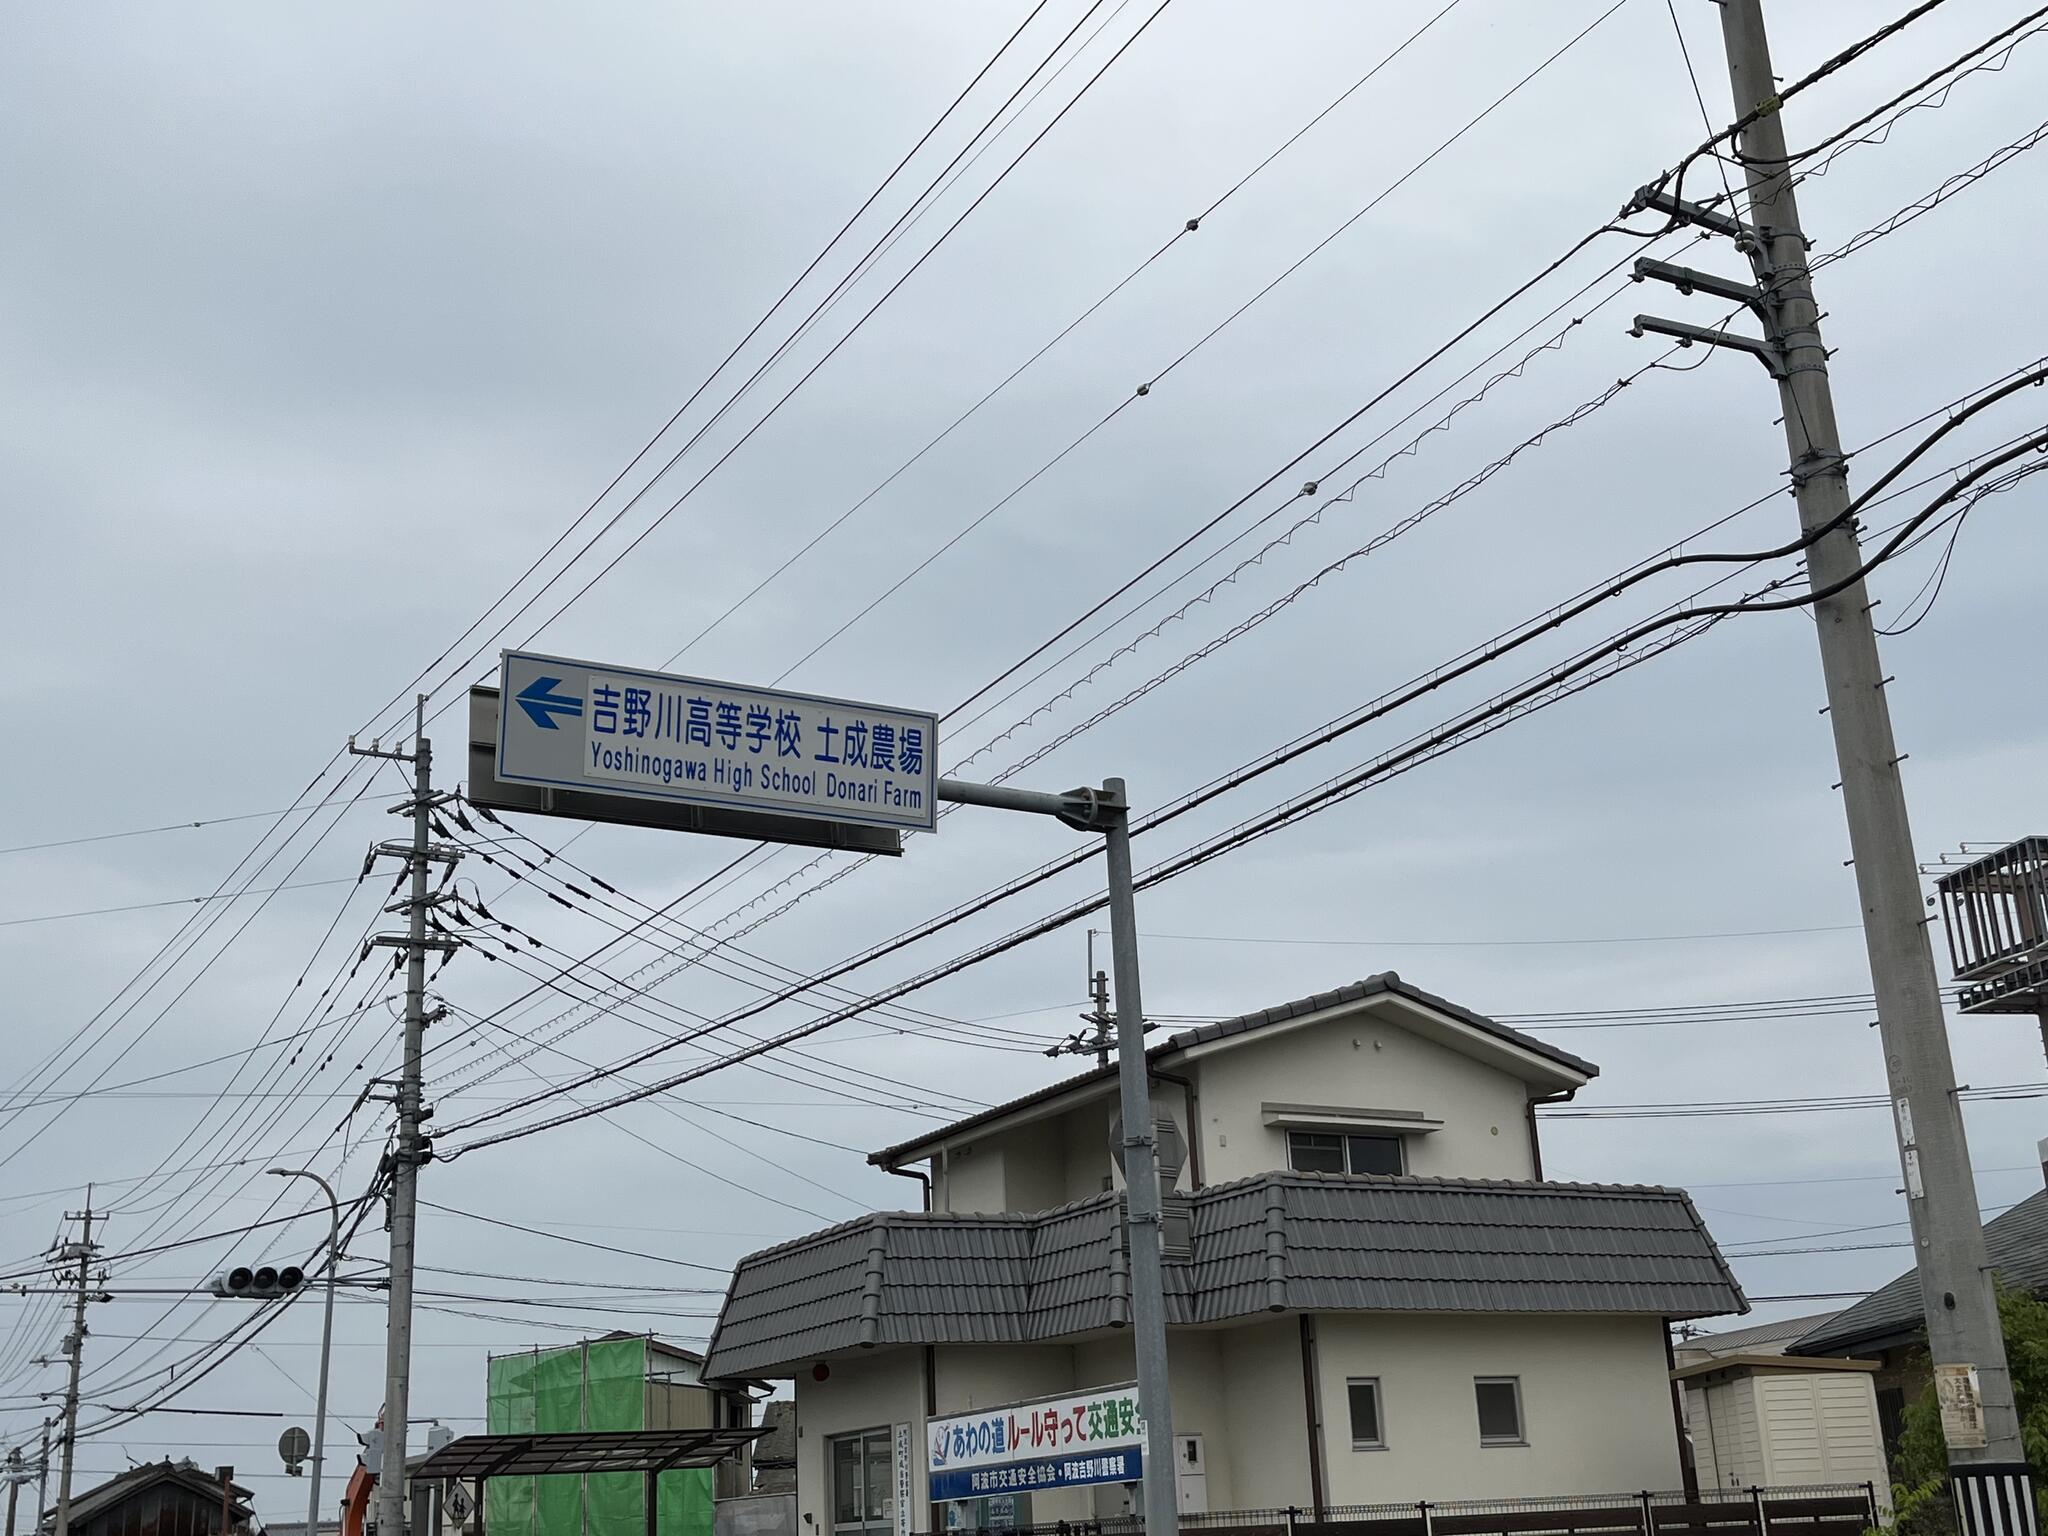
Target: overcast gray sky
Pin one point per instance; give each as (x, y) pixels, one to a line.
(324, 323)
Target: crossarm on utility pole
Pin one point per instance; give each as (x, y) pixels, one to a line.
(1687, 335)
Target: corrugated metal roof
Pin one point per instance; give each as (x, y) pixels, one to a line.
(1346, 1245)
(1386, 982)
(2018, 1244)
(1758, 1339)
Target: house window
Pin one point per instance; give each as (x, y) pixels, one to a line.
(1499, 1400)
(1332, 1152)
(1368, 1432)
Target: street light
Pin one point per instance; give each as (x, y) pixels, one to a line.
(326, 1341)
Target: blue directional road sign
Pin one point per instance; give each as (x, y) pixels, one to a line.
(541, 703)
(594, 728)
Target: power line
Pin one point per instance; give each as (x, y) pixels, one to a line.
(1153, 382)
(1184, 230)
(171, 826)
(1610, 938)
(985, 952)
(1674, 179)
(106, 1020)
(575, 1242)
(2009, 36)
(711, 377)
(822, 859)
(1557, 683)
(661, 517)
(175, 901)
(1313, 739)
(1691, 1109)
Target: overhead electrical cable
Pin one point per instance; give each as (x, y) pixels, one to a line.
(1342, 787)
(661, 517)
(1159, 376)
(1531, 629)
(767, 315)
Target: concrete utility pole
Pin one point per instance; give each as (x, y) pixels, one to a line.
(43, 1476)
(74, 1346)
(1987, 1463)
(17, 1474)
(412, 1148)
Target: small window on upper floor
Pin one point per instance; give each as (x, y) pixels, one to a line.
(1499, 1400)
(1334, 1152)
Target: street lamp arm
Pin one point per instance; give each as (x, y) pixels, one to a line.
(319, 1455)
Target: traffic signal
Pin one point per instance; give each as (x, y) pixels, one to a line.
(265, 1282)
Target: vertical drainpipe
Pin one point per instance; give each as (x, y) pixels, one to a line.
(1535, 1142)
(933, 1521)
(1312, 1398)
(923, 1178)
(1688, 1470)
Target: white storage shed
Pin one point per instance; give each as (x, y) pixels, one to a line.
(1776, 1420)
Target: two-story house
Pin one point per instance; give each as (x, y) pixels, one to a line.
(1372, 1293)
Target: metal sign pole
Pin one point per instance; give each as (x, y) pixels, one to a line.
(1107, 810)
(1141, 1166)
(593, 741)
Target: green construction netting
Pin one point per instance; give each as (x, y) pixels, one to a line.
(584, 1386)
(683, 1502)
(615, 1397)
(508, 1410)
(558, 1406)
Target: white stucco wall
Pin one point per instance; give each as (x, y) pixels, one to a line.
(1084, 1132)
(1202, 1394)
(1368, 1059)
(1596, 1406)
(1595, 1399)
(1263, 1453)
(1040, 1164)
(1364, 1062)
(878, 1390)
(970, 1177)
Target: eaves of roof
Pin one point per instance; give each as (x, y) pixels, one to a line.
(1771, 1363)
(1385, 983)
(1277, 1242)
(2016, 1241)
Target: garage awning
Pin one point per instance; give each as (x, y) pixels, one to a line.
(623, 1450)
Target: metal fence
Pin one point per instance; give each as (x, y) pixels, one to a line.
(1826, 1509)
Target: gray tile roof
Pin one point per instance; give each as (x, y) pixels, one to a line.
(1345, 1244)
(1386, 982)
(2018, 1244)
